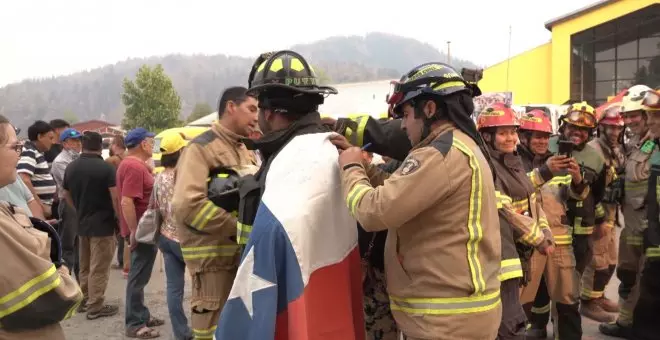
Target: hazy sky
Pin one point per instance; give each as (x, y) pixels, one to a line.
(40, 38)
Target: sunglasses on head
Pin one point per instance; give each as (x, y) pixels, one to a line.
(580, 118)
(652, 100)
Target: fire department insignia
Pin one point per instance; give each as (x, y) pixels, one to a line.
(409, 166)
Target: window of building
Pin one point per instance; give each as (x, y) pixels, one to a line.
(616, 55)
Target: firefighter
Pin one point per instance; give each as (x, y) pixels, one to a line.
(442, 251)
(36, 291)
(645, 324)
(556, 273)
(637, 167)
(576, 129)
(523, 225)
(207, 232)
(602, 266)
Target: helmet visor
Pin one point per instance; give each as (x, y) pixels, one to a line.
(580, 118)
(613, 112)
(651, 100)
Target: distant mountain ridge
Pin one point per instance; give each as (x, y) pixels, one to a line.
(96, 94)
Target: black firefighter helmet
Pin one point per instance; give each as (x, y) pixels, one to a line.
(285, 74)
(55, 242)
(434, 79)
(223, 189)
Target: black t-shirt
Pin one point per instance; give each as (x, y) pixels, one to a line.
(88, 179)
(54, 150)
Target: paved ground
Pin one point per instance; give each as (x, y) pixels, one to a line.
(79, 328)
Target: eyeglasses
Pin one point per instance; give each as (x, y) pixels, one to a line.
(17, 147)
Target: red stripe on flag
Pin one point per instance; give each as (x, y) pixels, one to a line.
(330, 307)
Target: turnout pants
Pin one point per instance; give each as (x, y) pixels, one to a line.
(514, 321)
(210, 290)
(646, 323)
(554, 280)
(601, 267)
(628, 271)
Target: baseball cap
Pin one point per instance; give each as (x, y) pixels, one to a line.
(136, 136)
(172, 143)
(69, 133)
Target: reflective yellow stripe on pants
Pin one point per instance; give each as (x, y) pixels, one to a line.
(29, 291)
(204, 334)
(446, 306)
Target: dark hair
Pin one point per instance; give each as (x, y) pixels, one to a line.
(169, 161)
(3, 135)
(119, 141)
(59, 124)
(236, 94)
(92, 141)
(38, 128)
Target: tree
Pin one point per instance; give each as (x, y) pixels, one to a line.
(70, 117)
(151, 101)
(200, 110)
(322, 76)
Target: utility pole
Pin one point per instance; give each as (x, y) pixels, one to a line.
(448, 52)
(508, 62)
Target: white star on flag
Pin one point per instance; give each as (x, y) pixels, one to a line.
(247, 282)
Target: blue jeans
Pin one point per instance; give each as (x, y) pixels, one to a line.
(142, 263)
(175, 271)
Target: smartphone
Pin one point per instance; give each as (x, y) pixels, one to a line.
(566, 148)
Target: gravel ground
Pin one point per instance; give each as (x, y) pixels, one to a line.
(112, 328)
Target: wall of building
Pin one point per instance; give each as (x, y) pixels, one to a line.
(529, 76)
(561, 41)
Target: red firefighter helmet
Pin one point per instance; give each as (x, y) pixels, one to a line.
(495, 115)
(535, 120)
(611, 115)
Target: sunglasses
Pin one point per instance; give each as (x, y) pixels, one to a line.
(580, 118)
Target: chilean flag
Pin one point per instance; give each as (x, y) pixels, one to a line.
(300, 275)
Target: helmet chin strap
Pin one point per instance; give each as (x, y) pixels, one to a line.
(426, 128)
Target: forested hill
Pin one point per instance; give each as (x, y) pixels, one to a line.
(96, 94)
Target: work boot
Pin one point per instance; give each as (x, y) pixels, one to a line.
(594, 311)
(106, 310)
(536, 333)
(82, 308)
(608, 305)
(614, 329)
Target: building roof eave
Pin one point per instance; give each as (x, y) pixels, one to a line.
(579, 12)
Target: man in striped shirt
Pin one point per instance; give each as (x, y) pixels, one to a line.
(33, 168)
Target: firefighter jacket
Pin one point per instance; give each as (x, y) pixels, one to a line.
(652, 232)
(443, 247)
(638, 164)
(34, 295)
(523, 224)
(614, 161)
(207, 232)
(582, 212)
(555, 192)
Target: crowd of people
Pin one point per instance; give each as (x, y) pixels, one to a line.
(466, 231)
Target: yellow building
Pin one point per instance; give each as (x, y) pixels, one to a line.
(594, 53)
